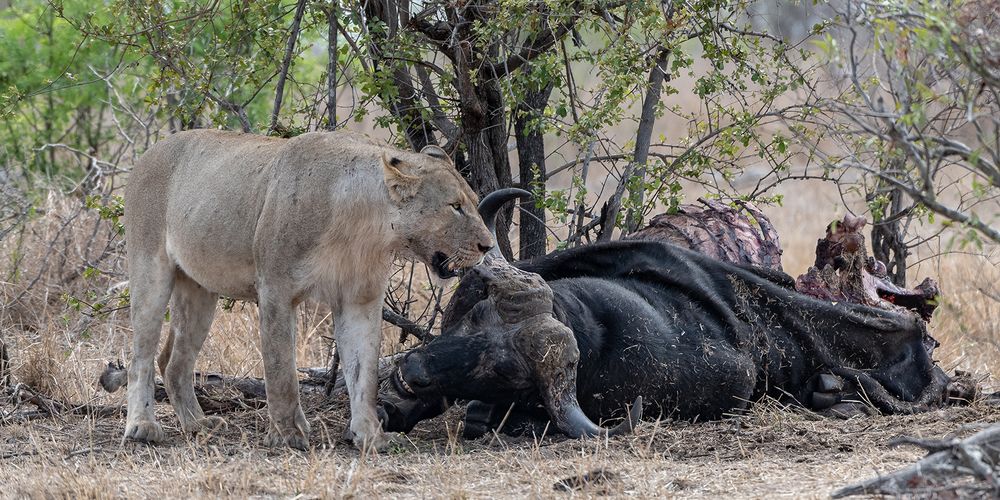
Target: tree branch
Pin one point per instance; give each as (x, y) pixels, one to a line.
(538, 46)
(638, 164)
(279, 91)
(408, 327)
(644, 134)
(941, 470)
(331, 68)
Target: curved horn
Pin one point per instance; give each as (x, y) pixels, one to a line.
(491, 204)
(571, 420)
(550, 347)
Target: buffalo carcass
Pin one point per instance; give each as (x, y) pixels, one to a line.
(578, 335)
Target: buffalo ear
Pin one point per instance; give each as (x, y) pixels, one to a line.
(435, 152)
(401, 186)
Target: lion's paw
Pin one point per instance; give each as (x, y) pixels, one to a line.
(382, 442)
(292, 439)
(145, 431)
(208, 425)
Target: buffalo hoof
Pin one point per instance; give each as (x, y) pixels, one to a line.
(482, 419)
(829, 383)
(382, 414)
(830, 390)
(478, 420)
(822, 400)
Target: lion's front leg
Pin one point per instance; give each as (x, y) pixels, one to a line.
(358, 339)
(277, 327)
(152, 280)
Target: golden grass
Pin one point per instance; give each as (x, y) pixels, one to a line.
(771, 452)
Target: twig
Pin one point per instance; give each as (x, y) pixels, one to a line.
(84, 451)
(13, 454)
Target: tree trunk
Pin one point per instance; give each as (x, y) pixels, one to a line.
(481, 173)
(405, 106)
(531, 159)
(888, 244)
(644, 136)
(484, 130)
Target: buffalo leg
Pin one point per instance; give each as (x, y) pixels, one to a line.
(484, 418)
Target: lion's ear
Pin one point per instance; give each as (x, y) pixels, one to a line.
(436, 152)
(401, 186)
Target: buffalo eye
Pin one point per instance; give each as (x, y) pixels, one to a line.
(457, 207)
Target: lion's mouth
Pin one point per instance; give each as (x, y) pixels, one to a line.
(443, 266)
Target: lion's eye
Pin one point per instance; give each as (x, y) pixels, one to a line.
(457, 207)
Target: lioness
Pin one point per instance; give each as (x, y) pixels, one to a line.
(277, 221)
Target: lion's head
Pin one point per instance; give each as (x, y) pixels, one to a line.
(437, 218)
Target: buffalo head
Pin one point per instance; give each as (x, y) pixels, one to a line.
(501, 343)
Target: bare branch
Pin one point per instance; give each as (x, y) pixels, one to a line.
(638, 164)
(644, 135)
(332, 55)
(942, 470)
(293, 36)
(408, 327)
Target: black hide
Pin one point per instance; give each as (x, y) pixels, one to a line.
(698, 338)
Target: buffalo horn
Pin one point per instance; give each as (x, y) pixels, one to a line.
(490, 206)
(573, 422)
(562, 403)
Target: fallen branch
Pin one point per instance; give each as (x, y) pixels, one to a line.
(217, 393)
(210, 388)
(955, 466)
(5, 376)
(47, 406)
(408, 327)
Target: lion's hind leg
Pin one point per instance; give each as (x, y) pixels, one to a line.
(192, 309)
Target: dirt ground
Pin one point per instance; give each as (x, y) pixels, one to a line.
(771, 452)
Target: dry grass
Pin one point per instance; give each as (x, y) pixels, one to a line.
(771, 452)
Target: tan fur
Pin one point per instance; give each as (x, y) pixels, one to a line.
(277, 221)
